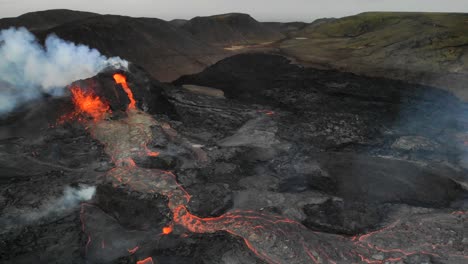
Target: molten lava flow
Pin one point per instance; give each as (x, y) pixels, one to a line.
(86, 102)
(146, 261)
(122, 80)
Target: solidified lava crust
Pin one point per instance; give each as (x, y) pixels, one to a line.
(272, 238)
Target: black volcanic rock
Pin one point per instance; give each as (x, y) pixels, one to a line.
(243, 77)
(376, 179)
(231, 29)
(42, 20)
(274, 80)
(342, 130)
(340, 111)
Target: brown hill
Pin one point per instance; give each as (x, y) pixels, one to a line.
(166, 50)
(161, 48)
(44, 19)
(231, 29)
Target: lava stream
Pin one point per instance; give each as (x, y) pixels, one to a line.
(122, 80)
(146, 261)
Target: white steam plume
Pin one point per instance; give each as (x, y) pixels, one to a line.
(71, 198)
(28, 70)
(55, 207)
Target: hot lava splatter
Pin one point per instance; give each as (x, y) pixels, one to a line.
(86, 104)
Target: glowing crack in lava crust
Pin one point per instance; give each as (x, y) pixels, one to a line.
(272, 238)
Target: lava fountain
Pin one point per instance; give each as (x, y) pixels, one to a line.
(87, 104)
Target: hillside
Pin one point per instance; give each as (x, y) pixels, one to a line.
(286, 28)
(44, 19)
(231, 29)
(162, 49)
(166, 49)
(178, 22)
(427, 48)
(424, 48)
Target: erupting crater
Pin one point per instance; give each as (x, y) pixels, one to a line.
(87, 104)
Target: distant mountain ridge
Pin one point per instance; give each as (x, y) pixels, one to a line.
(424, 48)
(41, 20)
(231, 29)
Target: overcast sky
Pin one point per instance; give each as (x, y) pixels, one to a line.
(263, 10)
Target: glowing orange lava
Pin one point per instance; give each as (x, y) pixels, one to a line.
(86, 102)
(146, 261)
(122, 80)
(153, 153)
(167, 230)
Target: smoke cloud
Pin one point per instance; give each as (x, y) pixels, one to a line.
(69, 200)
(28, 70)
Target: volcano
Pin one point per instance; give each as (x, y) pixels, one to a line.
(282, 164)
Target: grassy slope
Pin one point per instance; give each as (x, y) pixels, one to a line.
(430, 48)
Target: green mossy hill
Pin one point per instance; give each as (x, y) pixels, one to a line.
(429, 48)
